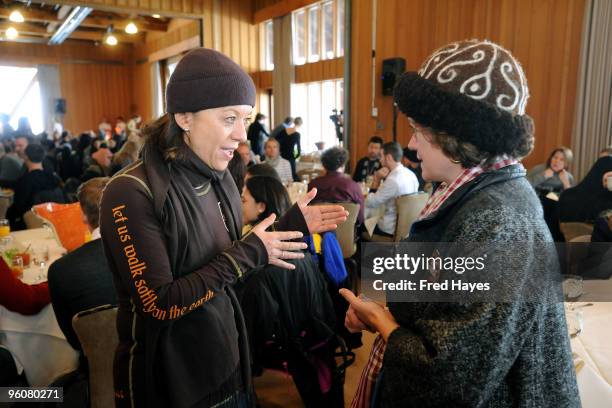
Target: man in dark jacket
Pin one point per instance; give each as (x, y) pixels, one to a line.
(30, 185)
(82, 280)
(257, 134)
(369, 164)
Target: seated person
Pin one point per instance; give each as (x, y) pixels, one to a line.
(82, 279)
(273, 158)
(398, 181)
(246, 154)
(598, 262)
(335, 186)
(287, 314)
(19, 297)
(590, 197)
(370, 164)
(35, 181)
(10, 168)
(411, 161)
(555, 177)
(100, 165)
(261, 169)
(237, 169)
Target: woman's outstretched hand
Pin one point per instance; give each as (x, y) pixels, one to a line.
(368, 315)
(321, 218)
(278, 243)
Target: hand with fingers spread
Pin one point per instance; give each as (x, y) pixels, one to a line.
(321, 218)
(368, 314)
(278, 243)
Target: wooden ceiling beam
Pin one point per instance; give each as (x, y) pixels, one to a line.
(34, 30)
(181, 9)
(40, 16)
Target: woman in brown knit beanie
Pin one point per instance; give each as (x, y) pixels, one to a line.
(466, 106)
(171, 228)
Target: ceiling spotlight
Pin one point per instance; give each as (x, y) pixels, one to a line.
(11, 33)
(131, 28)
(16, 17)
(109, 38)
(156, 16)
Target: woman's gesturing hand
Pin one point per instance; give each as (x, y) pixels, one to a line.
(320, 218)
(278, 243)
(368, 314)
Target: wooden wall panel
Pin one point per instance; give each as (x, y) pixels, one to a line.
(23, 53)
(267, 9)
(142, 100)
(545, 36)
(320, 71)
(93, 91)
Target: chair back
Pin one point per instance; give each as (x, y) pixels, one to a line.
(345, 233)
(572, 230)
(32, 220)
(97, 333)
(67, 219)
(408, 208)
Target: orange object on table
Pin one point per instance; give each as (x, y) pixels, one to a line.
(67, 220)
(26, 258)
(17, 271)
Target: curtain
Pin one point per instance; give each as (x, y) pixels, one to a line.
(156, 90)
(50, 92)
(284, 73)
(593, 116)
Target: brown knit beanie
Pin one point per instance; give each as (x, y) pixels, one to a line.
(475, 91)
(206, 79)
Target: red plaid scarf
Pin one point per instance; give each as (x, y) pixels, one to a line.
(363, 396)
(444, 190)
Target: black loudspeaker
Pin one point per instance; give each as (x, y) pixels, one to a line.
(60, 106)
(392, 68)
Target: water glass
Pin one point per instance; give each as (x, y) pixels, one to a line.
(17, 266)
(573, 287)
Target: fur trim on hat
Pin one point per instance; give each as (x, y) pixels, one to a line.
(487, 127)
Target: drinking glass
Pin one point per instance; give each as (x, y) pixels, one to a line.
(17, 266)
(5, 228)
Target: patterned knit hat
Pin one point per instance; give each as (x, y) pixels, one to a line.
(206, 79)
(475, 91)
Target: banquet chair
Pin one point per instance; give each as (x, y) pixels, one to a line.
(67, 220)
(408, 208)
(571, 230)
(97, 333)
(32, 220)
(345, 233)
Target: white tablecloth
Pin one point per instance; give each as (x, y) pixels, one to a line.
(36, 342)
(593, 348)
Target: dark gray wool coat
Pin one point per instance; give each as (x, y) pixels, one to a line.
(482, 354)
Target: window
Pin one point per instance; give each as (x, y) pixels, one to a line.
(266, 42)
(299, 37)
(20, 96)
(313, 34)
(327, 15)
(315, 102)
(340, 26)
(318, 32)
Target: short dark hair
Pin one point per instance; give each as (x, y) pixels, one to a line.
(259, 117)
(288, 120)
(35, 153)
(394, 149)
(263, 169)
(271, 192)
(334, 158)
(376, 139)
(411, 155)
(237, 169)
(89, 195)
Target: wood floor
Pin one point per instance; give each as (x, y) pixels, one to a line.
(276, 390)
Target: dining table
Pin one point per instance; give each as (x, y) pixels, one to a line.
(36, 342)
(590, 329)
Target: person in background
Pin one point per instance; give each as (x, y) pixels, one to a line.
(100, 165)
(287, 123)
(263, 196)
(245, 153)
(370, 164)
(261, 169)
(398, 181)
(104, 129)
(82, 279)
(257, 134)
(21, 142)
(555, 177)
(127, 155)
(29, 185)
(290, 147)
(606, 151)
(274, 159)
(23, 128)
(10, 168)
(513, 353)
(6, 130)
(335, 186)
(237, 169)
(411, 161)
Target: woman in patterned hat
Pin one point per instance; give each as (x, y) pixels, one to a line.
(466, 106)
